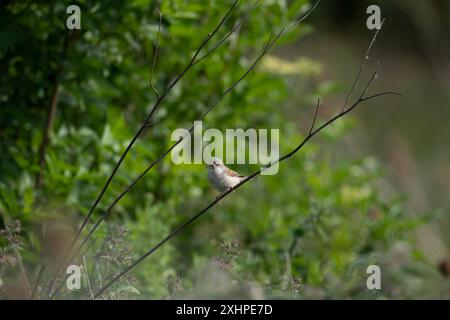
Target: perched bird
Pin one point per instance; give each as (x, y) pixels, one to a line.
(221, 177)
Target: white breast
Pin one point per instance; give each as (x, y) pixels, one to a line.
(218, 180)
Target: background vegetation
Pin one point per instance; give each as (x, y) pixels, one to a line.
(308, 232)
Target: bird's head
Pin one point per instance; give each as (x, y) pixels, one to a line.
(215, 164)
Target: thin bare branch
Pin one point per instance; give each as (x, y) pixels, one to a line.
(155, 55)
(315, 116)
(228, 35)
(362, 67)
(381, 94)
(189, 66)
(370, 82)
(302, 18)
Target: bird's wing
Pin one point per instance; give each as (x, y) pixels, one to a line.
(232, 173)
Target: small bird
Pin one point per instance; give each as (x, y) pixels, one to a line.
(221, 177)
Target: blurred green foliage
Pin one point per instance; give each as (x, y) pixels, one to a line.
(310, 231)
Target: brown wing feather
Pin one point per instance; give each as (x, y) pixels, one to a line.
(232, 173)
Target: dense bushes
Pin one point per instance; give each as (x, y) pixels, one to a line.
(309, 231)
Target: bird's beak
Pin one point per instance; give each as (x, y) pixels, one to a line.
(209, 165)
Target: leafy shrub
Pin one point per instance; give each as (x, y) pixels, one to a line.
(309, 231)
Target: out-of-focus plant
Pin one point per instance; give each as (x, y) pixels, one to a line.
(309, 231)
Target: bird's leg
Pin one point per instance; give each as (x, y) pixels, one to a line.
(228, 190)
